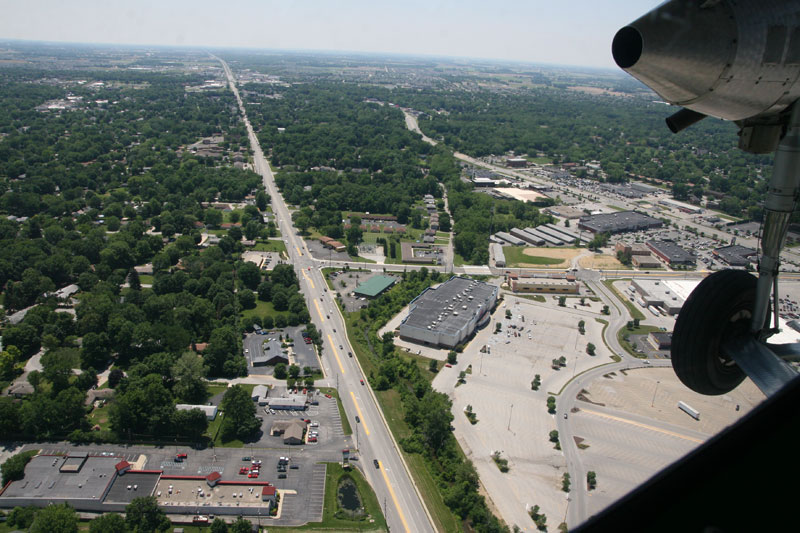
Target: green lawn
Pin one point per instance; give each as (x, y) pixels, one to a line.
(263, 309)
(99, 416)
(269, 245)
(534, 297)
(640, 330)
(146, 279)
(215, 388)
(515, 255)
(540, 160)
(335, 393)
(226, 215)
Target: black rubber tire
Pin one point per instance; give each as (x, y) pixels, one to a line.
(720, 307)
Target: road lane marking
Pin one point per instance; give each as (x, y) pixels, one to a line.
(321, 316)
(307, 278)
(394, 497)
(336, 353)
(645, 426)
(298, 250)
(360, 414)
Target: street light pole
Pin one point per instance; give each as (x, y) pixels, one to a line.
(654, 394)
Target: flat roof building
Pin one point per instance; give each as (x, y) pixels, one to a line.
(655, 293)
(544, 285)
(645, 261)
(420, 253)
(619, 222)
(735, 255)
(671, 253)
(447, 315)
(295, 402)
(209, 410)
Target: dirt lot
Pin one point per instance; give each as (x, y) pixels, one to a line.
(601, 261)
(556, 253)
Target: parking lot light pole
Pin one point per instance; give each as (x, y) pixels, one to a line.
(654, 394)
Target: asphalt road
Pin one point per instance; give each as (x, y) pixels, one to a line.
(405, 509)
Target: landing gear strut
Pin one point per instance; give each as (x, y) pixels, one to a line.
(722, 329)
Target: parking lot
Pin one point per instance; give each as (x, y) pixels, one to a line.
(512, 418)
(302, 488)
(330, 433)
(318, 251)
(345, 282)
(300, 353)
(633, 427)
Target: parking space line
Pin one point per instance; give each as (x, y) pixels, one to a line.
(645, 426)
(394, 497)
(336, 353)
(363, 421)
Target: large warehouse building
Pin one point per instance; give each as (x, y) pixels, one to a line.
(620, 222)
(447, 315)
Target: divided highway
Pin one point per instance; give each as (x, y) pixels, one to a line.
(403, 505)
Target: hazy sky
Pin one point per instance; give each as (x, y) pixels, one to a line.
(569, 32)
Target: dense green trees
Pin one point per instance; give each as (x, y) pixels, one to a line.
(240, 420)
(144, 515)
(14, 467)
(55, 519)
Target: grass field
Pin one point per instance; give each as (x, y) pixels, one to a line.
(517, 256)
(269, 245)
(215, 388)
(146, 279)
(263, 309)
(640, 330)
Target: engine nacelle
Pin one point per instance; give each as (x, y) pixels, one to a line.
(736, 60)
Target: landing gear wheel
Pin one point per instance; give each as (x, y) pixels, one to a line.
(719, 308)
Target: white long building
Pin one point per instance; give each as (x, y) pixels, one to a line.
(447, 315)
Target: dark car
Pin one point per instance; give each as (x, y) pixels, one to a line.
(376, 463)
(281, 476)
(358, 420)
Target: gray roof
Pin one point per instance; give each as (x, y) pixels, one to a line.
(43, 480)
(619, 222)
(673, 252)
(259, 391)
(271, 350)
(443, 307)
(735, 254)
